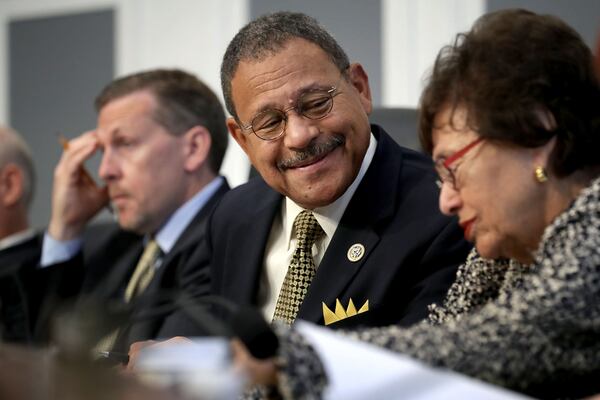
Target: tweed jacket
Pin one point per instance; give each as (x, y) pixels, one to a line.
(530, 328)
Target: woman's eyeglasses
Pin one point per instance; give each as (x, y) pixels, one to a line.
(444, 168)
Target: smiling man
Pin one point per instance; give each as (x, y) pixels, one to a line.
(342, 227)
(162, 137)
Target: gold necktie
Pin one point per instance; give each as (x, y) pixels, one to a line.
(139, 281)
(301, 270)
(144, 271)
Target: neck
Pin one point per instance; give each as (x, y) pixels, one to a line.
(199, 181)
(563, 191)
(13, 222)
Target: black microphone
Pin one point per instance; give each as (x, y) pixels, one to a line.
(243, 321)
(76, 329)
(80, 329)
(249, 325)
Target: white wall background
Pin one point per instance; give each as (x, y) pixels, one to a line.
(413, 33)
(187, 34)
(193, 34)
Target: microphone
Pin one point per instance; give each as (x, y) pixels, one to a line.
(244, 322)
(77, 331)
(249, 325)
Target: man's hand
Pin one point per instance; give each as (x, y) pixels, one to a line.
(75, 196)
(136, 348)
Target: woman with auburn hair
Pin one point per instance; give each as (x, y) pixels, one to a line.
(511, 116)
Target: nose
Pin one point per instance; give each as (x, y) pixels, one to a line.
(299, 131)
(450, 200)
(108, 169)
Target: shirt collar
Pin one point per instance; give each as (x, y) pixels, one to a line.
(16, 238)
(167, 236)
(330, 215)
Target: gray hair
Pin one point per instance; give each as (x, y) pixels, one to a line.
(14, 150)
(267, 35)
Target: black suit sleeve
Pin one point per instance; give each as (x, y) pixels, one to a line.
(51, 288)
(437, 271)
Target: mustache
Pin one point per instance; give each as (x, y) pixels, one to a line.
(313, 151)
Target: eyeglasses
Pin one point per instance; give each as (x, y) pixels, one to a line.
(444, 168)
(313, 104)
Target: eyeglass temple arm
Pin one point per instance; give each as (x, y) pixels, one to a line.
(448, 161)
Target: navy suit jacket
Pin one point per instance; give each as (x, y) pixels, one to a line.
(411, 250)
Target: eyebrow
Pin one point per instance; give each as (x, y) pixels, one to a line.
(295, 96)
(114, 134)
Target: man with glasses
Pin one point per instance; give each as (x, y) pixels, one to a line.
(342, 227)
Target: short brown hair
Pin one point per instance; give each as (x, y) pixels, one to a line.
(509, 67)
(184, 102)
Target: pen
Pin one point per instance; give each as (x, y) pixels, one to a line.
(85, 175)
(114, 357)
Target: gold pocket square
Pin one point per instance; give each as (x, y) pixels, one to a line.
(330, 317)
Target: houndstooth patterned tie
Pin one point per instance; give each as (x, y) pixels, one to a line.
(301, 270)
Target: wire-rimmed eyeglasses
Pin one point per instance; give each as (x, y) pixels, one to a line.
(313, 104)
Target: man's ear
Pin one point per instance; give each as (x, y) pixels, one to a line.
(236, 132)
(11, 185)
(197, 147)
(360, 80)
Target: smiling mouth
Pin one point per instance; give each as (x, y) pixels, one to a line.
(312, 154)
(310, 161)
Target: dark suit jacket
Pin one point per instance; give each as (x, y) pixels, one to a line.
(412, 250)
(27, 292)
(110, 256)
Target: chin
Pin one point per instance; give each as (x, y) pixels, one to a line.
(313, 202)
(131, 225)
(490, 251)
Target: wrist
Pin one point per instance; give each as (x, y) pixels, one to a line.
(63, 232)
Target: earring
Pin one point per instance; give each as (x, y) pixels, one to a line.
(540, 174)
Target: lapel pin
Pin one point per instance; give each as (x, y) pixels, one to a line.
(356, 252)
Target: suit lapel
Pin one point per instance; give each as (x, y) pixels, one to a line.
(116, 280)
(371, 206)
(194, 232)
(249, 253)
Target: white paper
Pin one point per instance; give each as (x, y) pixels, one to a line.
(358, 370)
